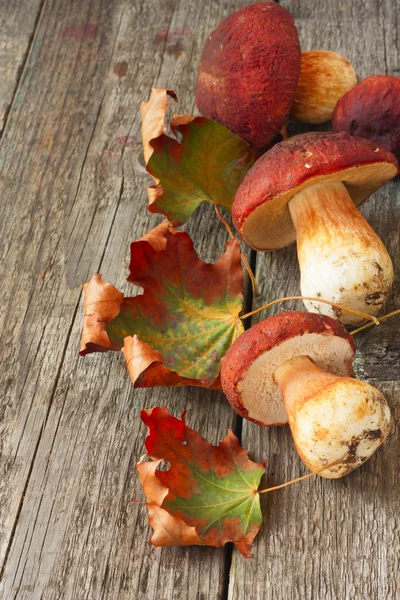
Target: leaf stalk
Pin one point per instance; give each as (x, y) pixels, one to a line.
(374, 320)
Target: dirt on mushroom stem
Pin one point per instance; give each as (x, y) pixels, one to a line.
(296, 368)
(340, 256)
(328, 414)
(339, 170)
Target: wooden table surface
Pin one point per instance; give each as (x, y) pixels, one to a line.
(73, 197)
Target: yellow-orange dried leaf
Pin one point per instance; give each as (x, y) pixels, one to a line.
(157, 236)
(153, 114)
(168, 529)
(102, 303)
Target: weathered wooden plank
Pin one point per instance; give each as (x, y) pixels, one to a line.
(391, 26)
(74, 197)
(18, 20)
(321, 539)
(31, 240)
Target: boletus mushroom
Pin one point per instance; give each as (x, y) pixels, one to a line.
(325, 77)
(249, 70)
(309, 186)
(372, 110)
(296, 368)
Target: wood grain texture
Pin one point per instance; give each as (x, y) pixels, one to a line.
(331, 540)
(18, 20)
(74, 197)
(73, 192)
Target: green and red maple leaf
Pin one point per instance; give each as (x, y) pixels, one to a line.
(179, 329)
(208, 496)
(206, 165)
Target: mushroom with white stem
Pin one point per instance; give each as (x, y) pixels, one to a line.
(296, 367)
(309, 186)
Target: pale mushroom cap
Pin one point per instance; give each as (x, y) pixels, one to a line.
(248, 367)
(260, 212)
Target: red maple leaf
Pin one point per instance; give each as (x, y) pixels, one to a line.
(209, 494)
(179, 329)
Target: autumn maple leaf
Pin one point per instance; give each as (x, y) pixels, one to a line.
(206, 165)
(179, 329)
(209, 494)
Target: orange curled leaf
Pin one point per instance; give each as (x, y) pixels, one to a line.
(179, 120)
(153, 489)
(153, 115)
(146, 369)
(102, 303)
(157, 237)
(211, 489)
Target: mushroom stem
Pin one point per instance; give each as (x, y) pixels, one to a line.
(329, 414)
(340, 256)
(325, 77)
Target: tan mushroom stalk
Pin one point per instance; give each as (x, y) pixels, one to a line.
(325, 77)
(296, 368)
(340, 256)
(309, 187)
(333, 419)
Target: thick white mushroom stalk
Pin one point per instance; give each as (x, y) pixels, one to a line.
(340, 256)
(334, 420)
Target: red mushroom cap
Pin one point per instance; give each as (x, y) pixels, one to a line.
(249, 71)
(372, 110)
(248, 367)
(260, 212)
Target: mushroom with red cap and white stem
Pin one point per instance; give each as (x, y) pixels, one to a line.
(372, 110)
(309, 186)
(296, 367)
